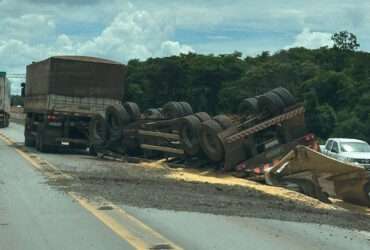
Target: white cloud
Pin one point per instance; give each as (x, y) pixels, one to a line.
(28, 28)
(131, 34)
(34, 30)
(134, 35)
(312, 40)
(174, 48)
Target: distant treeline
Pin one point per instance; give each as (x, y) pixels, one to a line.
(334, 84)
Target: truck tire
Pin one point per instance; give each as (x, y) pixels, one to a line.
(285, 96)
(209, 141)
(249, 106)
(133, 110)
(203, 116)
(3, 122)
(224, 121)
(153, 114)
(98, 131)
(116, 116)
(93, 151)
(172, 110)
(29, 141)
(186, 108)
(189, 134)
(41, 145)
(271, 104)
(7, 122)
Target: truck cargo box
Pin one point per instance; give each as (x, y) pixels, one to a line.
(77, 106)
(76, 76)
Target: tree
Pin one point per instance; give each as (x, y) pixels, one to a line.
(320, 119)
(351, 127)
(336, 89)
(345, 40)
(334, 83)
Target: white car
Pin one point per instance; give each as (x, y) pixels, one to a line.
(348, 150)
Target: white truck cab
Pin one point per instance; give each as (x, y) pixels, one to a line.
(348, 150)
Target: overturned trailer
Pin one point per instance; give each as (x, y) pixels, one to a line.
(267, 127)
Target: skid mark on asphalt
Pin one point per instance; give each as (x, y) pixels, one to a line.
(129, 228)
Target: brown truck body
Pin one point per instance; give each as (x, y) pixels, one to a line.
(76, 77)
(62, 93)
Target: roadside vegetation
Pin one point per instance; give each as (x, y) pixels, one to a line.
(333, 82)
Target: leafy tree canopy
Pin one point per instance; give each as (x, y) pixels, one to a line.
(345, 40)
(334, 83)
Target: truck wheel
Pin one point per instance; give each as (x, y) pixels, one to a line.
(249, 106)
(2, 123)
(285, 96)
(29, 141)
(92, 151)
(40, 144)
(224, 121)
(133, 110)
(203, 116)
(186, 108)
(172, 110)
(98, 130)
(153, 114)
(189, 134)
(209, 141)
(271, 104)
(116, 116)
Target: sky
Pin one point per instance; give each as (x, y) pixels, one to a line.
(32, 30)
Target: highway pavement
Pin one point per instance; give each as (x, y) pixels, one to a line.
(35, 215)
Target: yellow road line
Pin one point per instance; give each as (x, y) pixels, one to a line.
(144, 227)
(29, 159)
(34, 162)
(139, 231)
(6, 139)
(111, 223)
(142, 230)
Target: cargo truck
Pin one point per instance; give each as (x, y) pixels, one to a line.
(4, 100)
(63, 93)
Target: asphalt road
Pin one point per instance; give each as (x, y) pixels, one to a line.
(35, 215)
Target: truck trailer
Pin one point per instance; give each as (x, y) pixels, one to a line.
(4, 100)
(63, 93)
(77, 101)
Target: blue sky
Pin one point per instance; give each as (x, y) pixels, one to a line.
(122, 30)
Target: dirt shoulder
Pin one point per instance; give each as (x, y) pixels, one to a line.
(154, 185)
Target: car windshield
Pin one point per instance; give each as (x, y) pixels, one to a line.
(355, 147)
